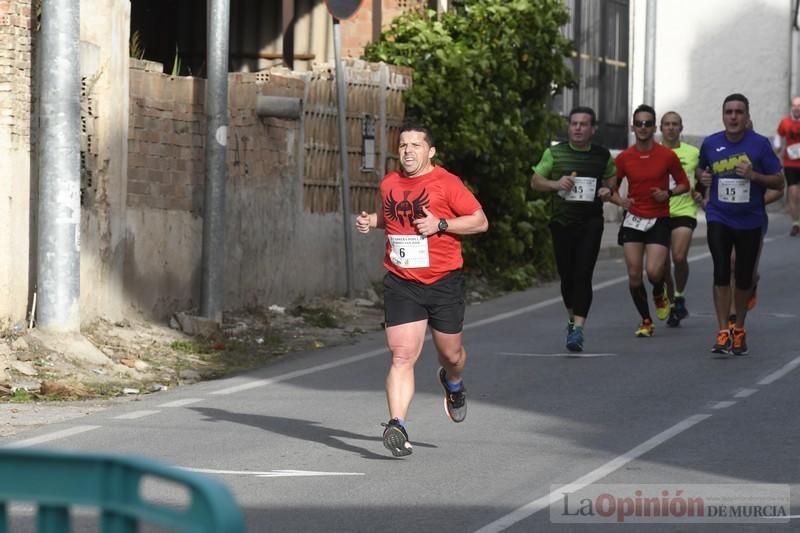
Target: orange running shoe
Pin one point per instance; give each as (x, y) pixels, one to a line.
(723, 344)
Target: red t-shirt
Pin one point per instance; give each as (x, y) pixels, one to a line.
(402, 198)
(645, 170)
(790, 130)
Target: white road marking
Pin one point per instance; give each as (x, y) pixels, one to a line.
(744, 393)
(535, 506)
(778, 374)
(135, 414)
(781, 315)
(252, 384)
(50, 437)
(723, 405)
(272, 473)
(181, 403)
(559, 354)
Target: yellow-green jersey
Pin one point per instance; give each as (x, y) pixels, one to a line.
(683, 205)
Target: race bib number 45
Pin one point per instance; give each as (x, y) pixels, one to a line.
(583, 190)
(733, 190)
(409, 251)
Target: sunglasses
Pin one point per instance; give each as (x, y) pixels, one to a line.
(644, 123)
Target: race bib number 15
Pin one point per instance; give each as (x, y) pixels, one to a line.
(733, 190)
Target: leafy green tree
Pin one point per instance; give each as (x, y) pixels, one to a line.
(483, 78)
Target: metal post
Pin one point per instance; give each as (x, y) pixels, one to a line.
(342, 113)
(650, 54)
(213, 287)
(58, 249)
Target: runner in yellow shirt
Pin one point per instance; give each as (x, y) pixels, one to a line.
(682, 218)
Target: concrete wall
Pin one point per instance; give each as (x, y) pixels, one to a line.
(105, 30)
(275, 251)
(707, 50)
(15, 158)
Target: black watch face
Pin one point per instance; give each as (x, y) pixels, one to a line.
(442, 225)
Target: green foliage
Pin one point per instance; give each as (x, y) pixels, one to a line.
(176, 63)
(136, 47)
(483, 78)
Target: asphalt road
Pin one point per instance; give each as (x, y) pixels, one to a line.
(299, 443)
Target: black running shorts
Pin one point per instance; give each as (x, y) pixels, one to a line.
(660, 233)
(682, 222)
(792, 175)
(442, 302)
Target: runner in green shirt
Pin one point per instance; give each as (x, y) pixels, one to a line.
(577, 175)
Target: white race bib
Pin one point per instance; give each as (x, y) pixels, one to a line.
(409, 251)
(793, 151)
(583, 190)
(733, 190)
(638, 223)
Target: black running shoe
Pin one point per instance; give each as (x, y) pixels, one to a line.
(455, 403)
(680, 307)
(395, 438)
(673, 321)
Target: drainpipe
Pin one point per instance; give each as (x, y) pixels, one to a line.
(793, 43)
(649, 96)
(213, 282)
(341, 106)
(59, 209)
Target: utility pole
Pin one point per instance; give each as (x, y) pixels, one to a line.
(213, 282)
(59, 210)
(649, 95)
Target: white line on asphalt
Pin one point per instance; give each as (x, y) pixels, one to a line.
(564, 354)
(181, 403)
(723, 405)
(535, 506)
(135, 414)
(254, 384)
(297, 373)
(272, 473)
(744, 393)
(778, 374)
(50, 437)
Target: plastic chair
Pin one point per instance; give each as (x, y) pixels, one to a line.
(56, 481)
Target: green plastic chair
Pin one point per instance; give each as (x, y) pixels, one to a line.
(56, 481)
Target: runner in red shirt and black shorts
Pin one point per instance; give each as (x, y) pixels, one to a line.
(647, 166)
(425, 210)
(788, 140)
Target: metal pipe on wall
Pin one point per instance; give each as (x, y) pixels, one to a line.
(59, 209)
(341, 105)
(649, 96)
(213, 258)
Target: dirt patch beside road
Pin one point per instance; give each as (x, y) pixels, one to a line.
(40, 384)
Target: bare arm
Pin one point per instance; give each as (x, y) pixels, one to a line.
(461, 225)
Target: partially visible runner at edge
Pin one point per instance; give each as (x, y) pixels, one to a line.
(682, 218)
(424, 211)
(737, 165)
(579, 175)
(647, 166)
(787, 141)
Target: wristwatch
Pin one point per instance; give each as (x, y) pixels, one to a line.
(442, 225)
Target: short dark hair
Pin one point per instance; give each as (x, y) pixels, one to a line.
(583, 109)
(737, 97)
(680, 118)
(419, 126)
(644, 108)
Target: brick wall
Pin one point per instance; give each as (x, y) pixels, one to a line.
(15, 71)
(167, 131)
(357, 31)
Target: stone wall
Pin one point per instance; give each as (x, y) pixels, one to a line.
(16, 64)
(275, 251)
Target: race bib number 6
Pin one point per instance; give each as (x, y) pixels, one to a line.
(733, 190)
(409, 251)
